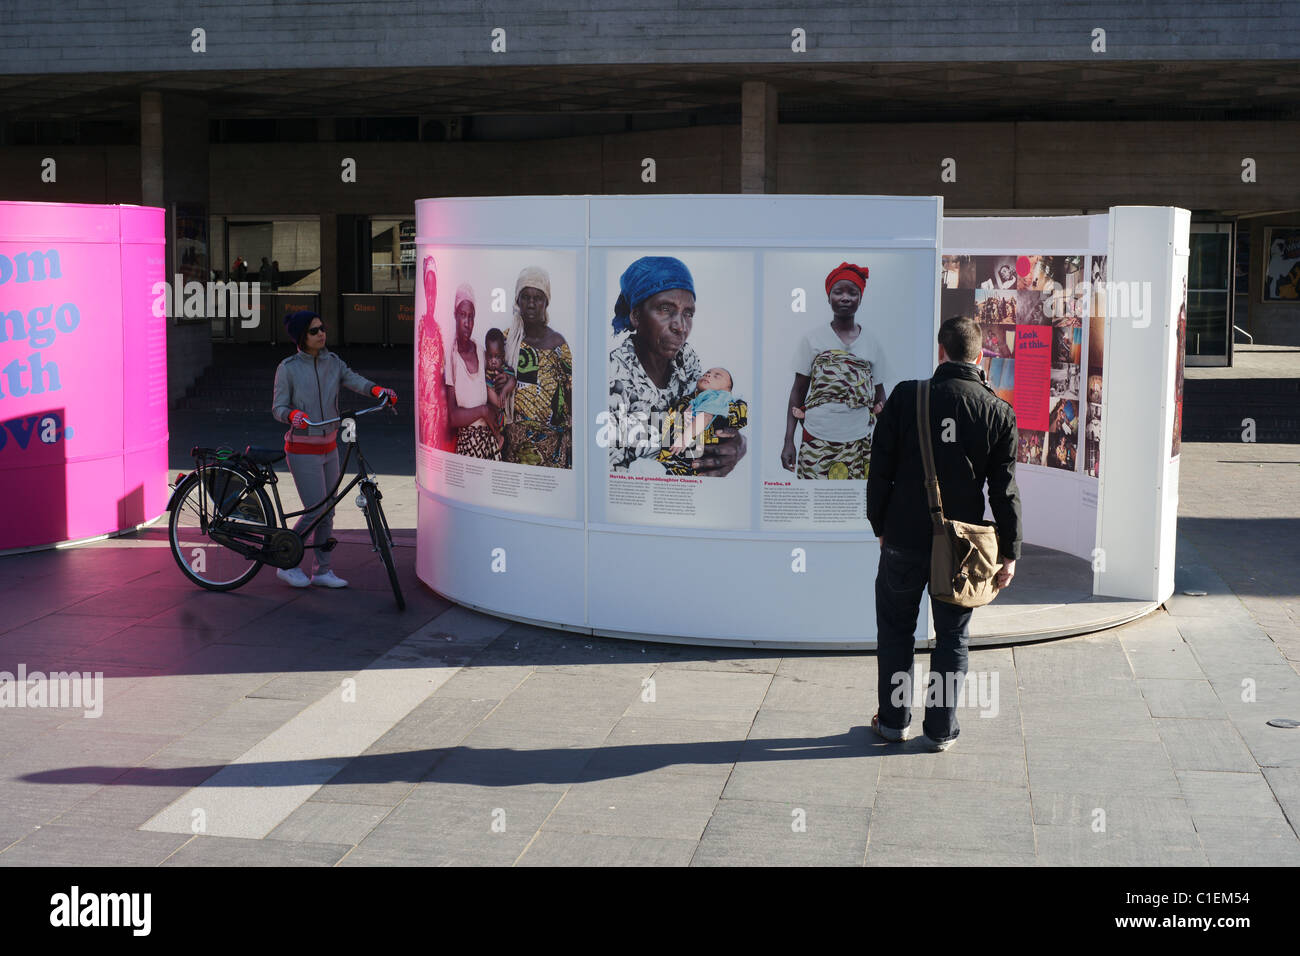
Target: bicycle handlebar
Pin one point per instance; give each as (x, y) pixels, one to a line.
(365, 411)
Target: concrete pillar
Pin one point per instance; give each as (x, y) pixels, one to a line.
(174, 173)
(151, 148)
(332, 233)
(758, 120)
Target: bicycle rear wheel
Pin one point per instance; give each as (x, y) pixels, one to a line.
(204, 561)
(382, 538)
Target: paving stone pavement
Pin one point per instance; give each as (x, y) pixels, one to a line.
(276, 727)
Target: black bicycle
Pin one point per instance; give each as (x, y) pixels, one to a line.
(224, 501)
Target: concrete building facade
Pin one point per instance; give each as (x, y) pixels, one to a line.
(242, 117)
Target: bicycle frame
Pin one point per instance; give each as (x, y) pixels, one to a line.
(259, 476)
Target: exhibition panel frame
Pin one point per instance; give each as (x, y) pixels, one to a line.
(561, 511)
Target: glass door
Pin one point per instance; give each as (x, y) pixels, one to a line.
(1209, 294)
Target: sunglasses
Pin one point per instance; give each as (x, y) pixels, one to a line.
(316, 330)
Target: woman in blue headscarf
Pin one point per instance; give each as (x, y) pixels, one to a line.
(652, 369)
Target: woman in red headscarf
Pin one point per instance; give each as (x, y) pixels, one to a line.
(839, 387)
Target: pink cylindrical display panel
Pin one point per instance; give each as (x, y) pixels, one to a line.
(83, 371)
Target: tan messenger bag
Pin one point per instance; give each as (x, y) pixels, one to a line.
(964, 555)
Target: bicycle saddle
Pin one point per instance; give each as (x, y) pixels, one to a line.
(264, 456)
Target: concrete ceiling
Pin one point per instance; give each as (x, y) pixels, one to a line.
(1037, 90)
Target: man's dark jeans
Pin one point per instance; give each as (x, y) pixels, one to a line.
(900, 581)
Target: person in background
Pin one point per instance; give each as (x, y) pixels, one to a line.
(307, 388)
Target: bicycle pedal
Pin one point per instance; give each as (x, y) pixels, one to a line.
(330, 544)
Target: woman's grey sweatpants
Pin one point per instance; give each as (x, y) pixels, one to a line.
(314, 475)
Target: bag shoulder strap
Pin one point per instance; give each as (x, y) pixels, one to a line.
(927, 453)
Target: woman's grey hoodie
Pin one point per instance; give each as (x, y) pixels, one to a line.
(312, 385)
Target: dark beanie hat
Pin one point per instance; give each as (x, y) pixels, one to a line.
(296, 323)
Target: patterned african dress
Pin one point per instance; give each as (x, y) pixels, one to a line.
(841, 378)
(432, 405)
(542, 430)
(636, 403)
(680, 463)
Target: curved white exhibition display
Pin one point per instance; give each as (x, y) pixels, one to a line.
(546, 495)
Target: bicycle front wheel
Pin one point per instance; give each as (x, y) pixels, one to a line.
(205, 562)
(382, 539)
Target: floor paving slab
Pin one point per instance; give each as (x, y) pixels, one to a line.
(912, 762)
(1120, 814)
(445, 825)
(475, 682)
(1211, 794)
(345, 824)
(567, 848)
(769, 833)
(1082, 764)
(957, 814)
(84, 846)
(1181, 698)
(1164, 660)
(1204, 745)
(1081, 846)
(1125, 717)
(1253, 843)
(676, 807)
(803, 758)
(1285, 783)
(853, 693)
(886, 854)
(234, 851)
(559, 764)
(702, 695)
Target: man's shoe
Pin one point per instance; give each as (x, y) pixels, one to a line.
(293, 577)
(328, 580)
(888, 733)
(936, 746)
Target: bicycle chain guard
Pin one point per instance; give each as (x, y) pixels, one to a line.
(283, 549)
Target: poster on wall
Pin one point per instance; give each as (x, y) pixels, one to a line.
(841, 328)
(681, 388)
(191, 242)
(1180, 355)
(1282, 265)
(1096, 367)
(496, 335)
(1033, 311)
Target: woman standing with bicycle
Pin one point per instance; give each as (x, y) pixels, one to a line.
(307, 388)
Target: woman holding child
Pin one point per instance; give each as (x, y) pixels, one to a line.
(472, 407)
(838, 387)
(654, 372)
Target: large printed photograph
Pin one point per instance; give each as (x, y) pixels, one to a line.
(1029, 299)
(839, 373)
(841, 328)
(493, 387)
(494, 355)
(679, 412)
(677, 389)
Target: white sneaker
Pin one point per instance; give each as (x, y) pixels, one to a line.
(328, 580)
(293, 577)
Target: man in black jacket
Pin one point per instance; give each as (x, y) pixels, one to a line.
(974, 437)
